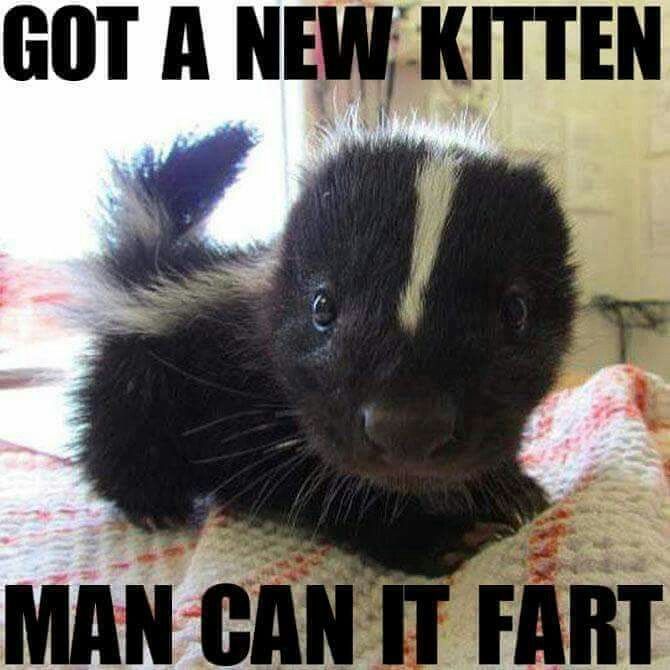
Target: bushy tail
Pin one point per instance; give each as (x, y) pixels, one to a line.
(159, 199)
(150, 229)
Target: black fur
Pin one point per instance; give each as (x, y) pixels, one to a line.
(243, 401)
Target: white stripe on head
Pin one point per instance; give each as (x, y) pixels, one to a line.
(435, 181)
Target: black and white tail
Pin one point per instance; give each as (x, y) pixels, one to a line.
(169, 313)
(151, 227)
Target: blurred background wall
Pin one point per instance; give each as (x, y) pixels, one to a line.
(606, 145)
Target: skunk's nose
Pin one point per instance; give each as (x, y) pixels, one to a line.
(410, 431)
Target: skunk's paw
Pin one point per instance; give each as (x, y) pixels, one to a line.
(484, 532)
(152, 516)
(473, 541)
(154, 523)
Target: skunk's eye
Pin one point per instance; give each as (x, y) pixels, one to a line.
(323, 311)
(514, 312)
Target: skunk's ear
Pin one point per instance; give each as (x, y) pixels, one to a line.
(186, 180)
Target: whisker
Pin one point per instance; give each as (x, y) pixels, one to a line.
(388, 495)
(357, 487)
(365, 505)
(399, 507)
(273, 446)
(295, 504)
(344, 486)
(265, 475)
(268, 456)
(250, 431)
(207, 382)
(261, 476)
(241, 472)
(222, 419)
(349, 490)
(292, 464)
(334, 488)
(321, 474)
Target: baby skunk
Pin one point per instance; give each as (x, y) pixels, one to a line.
(367, 374)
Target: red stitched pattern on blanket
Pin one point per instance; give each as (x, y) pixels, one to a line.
(551, 530)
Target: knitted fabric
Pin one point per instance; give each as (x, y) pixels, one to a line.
(600, 450)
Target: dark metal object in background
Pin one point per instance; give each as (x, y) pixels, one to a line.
(628, 315)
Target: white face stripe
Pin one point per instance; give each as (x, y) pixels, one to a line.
(435, 181)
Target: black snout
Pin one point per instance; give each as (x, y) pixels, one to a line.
(412, 430)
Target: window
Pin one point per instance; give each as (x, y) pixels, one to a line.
(56, 136)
